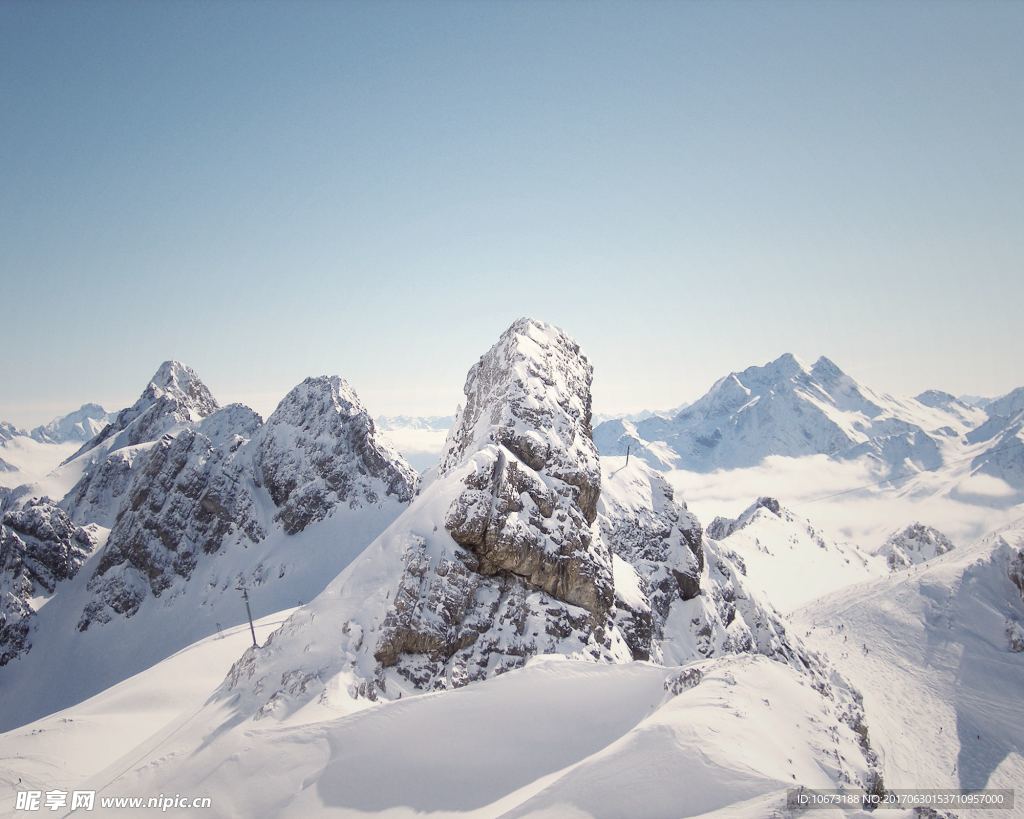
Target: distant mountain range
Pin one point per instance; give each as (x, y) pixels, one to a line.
(788, 408)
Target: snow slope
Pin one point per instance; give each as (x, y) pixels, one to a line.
(556, 738)
(73, 746)
(932, 650)
(787, 559)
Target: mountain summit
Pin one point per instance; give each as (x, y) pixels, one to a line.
(175, 395)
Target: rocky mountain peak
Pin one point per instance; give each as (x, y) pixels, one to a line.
(319, 448)
(531, 393)
(175, 395)
(180, 383)
(720, 528)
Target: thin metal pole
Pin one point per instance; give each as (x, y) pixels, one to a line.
(248, 611)
(628, 447)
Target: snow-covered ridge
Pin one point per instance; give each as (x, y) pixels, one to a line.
(81, 425)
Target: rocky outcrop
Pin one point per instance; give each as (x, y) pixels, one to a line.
(1016, 571)
(526, 500)
(9, 431)
(530, 393)
(174, 396)
(498, 558)
(320, 448)
(661, 545)
(914, 544)
(720, 528)
(39, 548)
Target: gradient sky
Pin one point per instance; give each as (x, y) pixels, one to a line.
(274, 190)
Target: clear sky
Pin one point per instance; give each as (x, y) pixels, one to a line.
(274, 190)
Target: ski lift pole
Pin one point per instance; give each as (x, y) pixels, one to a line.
(248, 612)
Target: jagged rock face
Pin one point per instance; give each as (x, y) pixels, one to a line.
(1016, 571)
(528, 506)
(720, 528)
(39, 548)
(914, 544)
(98, 494)
(174, 396)
(195, 492)
(320, 448)
(531, 393)
(188, 499)
(523, 515)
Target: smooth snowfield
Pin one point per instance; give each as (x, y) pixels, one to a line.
(97, 738)
(929, 649)
(557, 738)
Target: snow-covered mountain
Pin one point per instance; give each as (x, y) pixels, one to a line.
(80, 426)
(39, 548)
(1001, 438)
(174, 396)
(519, 585)
(788, 408)
(388, 423)
(9, 431)
(220, 499)
(521, 544)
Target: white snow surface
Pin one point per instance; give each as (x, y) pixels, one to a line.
(556, 738)
(930, 649)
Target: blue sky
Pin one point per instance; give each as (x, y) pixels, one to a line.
(268, 191)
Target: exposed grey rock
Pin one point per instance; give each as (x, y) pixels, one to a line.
(320, 448)
(683, 680)
(523, 515)
(194, 492)
(531, 393)
(187, 499)
(1016, 571)
(914, 544)
(8, 431)
(39, 548)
